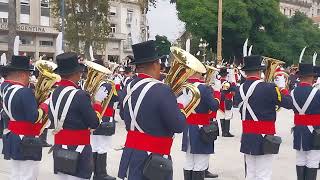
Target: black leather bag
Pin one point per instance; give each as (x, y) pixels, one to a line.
(105, 129)
(157, 167)
(271, 144)
(31, 147)
(316, 139)
(65, 161)
(209, 133)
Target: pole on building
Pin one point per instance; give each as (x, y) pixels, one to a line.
(219, 40)
(62, 12)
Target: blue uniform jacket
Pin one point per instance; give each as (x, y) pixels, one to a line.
(80, 116)
(207, 103)
(24, 108)
(159, 115)
(227, 96)
(302, 135)
(263, 102)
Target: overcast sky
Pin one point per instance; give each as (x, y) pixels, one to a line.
(163, 20)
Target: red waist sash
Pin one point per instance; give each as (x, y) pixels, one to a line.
(146, 142)
(72, 137)
(307, 119)
(200, 119)
(109, 112)
(258, 127)
(24, 128)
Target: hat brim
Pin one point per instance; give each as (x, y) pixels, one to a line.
(145, 60)
(12, 68)
(68, 71)
(259, 68)
(308, 74)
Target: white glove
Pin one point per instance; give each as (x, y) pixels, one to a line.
(280, 81)
(217, 85)
(101, 94)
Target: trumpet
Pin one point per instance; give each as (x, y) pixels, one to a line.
(183, 66)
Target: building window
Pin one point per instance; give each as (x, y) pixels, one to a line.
(113, 10)
(3, 20)
(114, 58)
(45, 13)
(26, 40)
(4, 6)
(46, 43)
(129, 15)
(24, 11)
(4, 38)
(113, 28)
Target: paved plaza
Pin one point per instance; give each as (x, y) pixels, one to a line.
(227, 162)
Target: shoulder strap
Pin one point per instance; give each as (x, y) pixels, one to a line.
(245, 100)
(13, 92)
(306, 104)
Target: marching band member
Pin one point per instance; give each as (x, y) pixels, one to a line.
(197, 143)
(73, 115)
(21, 107)
(227, 93)
(257, 102)
(152, 116)
(306, 132)
(101, 139)
(127, 76)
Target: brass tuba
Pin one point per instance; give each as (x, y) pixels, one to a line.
(209, 75)
(183, 66)
(107, 100)
(46, 79)
(44, 85)
(271, 66)
(97, 74)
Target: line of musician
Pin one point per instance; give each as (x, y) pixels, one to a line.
(153, 114)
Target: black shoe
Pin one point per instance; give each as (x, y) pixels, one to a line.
(100, 168)
(311, 174)
(300, 172)
(197, 175)
(208, 174)
(187, 175)
(227, 133)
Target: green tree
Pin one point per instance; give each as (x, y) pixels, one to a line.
(163, 45)
(271, 33)
(86, 22)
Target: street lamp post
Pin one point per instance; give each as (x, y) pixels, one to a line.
(219, 40)
(203, 47)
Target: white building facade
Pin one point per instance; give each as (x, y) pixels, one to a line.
(310, 8)
(37, 33)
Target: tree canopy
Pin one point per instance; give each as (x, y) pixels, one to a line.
(86, 23)
(163, 45)
(270, 32)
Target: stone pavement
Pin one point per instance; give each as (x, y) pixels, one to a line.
(227, 162)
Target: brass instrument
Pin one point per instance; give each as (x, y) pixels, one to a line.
(43, 87)
(183, 66)
(107, 100)
(209, 75)
(271, 66)
(96, 75)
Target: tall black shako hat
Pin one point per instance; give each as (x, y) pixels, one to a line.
(18, 63)
(68, 63)
(316, 70)
(223, 71)
(145, 52)
(306, 70)
(253, 63)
